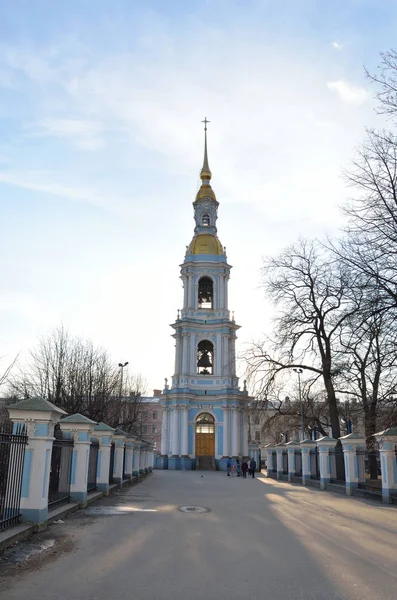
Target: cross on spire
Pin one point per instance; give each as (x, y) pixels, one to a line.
(205, 123)
(205, 171)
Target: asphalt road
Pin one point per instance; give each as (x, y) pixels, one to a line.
(261, 540)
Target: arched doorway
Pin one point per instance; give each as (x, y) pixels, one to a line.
(205, 435)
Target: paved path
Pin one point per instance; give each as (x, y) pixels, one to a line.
(262, 540)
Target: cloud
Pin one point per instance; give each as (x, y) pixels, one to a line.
(85, 134)
(348, 92)
(337, 46)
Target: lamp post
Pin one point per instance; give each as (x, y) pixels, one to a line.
(122, 365)
(299, 372)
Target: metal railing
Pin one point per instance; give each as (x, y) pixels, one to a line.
(285, 462)
(373, 476)
(298, 462)
(60, 471)
(314, 464)
(92, 466)
(111, 463)
(12, 455)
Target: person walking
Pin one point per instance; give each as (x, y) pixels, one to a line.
(238, 466)
(244, 468)
(228, 466)
(253, 467)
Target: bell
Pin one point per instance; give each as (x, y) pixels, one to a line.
(204, 361)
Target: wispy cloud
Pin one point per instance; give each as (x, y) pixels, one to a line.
(348, 92)
(337, 45)
(85, 134)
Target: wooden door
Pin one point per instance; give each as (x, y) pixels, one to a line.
(205, 444)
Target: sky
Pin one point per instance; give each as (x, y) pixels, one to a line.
(101, 145)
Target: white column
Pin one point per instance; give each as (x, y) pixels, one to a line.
(193, 355)
(175, 432)
(164, 433)
(226, 293)
(226, 368)
(189, 291)
(185, 291)
(235, 433)
(128, 459)
(221, 280)
(184, 353)
(177, 353)
(225, 431)
(245, 434)
(184, 416)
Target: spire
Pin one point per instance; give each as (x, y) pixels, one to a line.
(205, 171)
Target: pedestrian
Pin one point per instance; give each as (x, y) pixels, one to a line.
(253, 467)
(244, 468)
(228, 466)
(238, 466)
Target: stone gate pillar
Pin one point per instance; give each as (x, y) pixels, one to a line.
(325, 444)
(119, 438)
(104, 433)
(306, 447)
(79, 429)
(354, 454)
(388, 462)
(291, 447)
(39, 418)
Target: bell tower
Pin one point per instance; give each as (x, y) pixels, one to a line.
(205, 361)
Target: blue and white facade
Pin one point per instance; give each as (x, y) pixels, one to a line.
(204, 380)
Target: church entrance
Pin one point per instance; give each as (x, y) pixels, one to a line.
(205, 435)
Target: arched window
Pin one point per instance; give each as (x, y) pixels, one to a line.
(205, 221)
(205, 423)
(205, 358)
(205, 292)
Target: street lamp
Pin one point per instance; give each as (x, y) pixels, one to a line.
(122, 365)
(299, 372)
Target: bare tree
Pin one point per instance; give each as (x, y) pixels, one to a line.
(386, 80)
(313, 295)
(371, 235)
(78, 377)
(368, 344)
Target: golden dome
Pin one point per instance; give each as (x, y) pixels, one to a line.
(205, 191)
(205, 243)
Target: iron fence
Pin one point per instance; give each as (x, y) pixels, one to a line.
(298, 462)
(111, 464)
(92, 466)
(12, 455)
(274, 461)
(285, 462)
(372, 465)
(314, 464)
(124, 459)
(61, 470)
